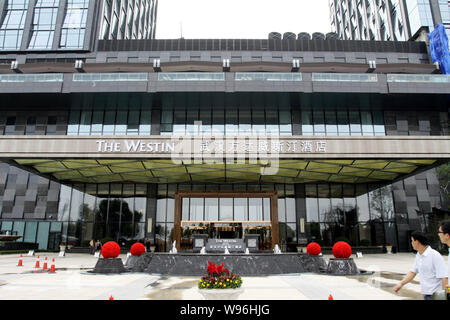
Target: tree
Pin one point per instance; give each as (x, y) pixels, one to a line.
(443, 174)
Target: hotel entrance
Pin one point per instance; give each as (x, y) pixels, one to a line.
(226, 230)
(226, 215)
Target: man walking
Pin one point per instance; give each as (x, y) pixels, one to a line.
(429, 264)
(444, 236)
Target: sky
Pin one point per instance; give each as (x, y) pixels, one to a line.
(239, 19)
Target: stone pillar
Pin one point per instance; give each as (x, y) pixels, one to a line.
(150, 220)
(177, 222)
(274, 218)
(300, 208)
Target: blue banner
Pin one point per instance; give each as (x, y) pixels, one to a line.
(439, 48)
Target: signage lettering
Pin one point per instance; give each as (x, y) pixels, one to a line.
(212, 146)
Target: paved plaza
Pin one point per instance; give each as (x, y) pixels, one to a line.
(73, 281)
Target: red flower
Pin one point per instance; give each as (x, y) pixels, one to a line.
(212, 268)
(219, 268)
(228, 272)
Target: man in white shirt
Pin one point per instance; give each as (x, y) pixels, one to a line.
(429, 263)
(444, 236)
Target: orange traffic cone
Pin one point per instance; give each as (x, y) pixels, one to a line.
(37, 262)
(20, 264)
(330, 297)
(52, 267)
(44, 268)
(111, 298)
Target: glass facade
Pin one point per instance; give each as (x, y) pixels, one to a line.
(352, 213)
(240, 115)
(44, 24)
(110, 115)
(12, 26)
(105, 211)
(128, 19)
(74, 26)
(385, 19)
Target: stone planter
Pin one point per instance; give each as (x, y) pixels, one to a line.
(62, 248)
(342, 267)
(389, 249)
(109, 265)
(221, 294)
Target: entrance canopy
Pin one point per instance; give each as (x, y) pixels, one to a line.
(279, 171)
(161, 159)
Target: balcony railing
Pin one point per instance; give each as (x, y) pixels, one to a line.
(345, 77)
(88, 77)
(191, 76)
(42, 77)
(268, 76)
(428, 78)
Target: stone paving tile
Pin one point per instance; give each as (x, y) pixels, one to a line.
(73, 282)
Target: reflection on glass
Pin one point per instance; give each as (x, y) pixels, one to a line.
(255, 209)
(240, 210)
(281, 210)
(211, 209)
(64, 203)
(185, 209)
(290, 210)
(196, 209)
(363, 207)
(267, 213)
(312, 210)
(161, 210)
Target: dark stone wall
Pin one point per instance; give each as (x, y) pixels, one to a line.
(421, 192)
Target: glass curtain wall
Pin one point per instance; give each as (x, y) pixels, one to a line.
(74, 26)
(203, 210)
(106, 114)
(44, 24)
(243, 114)
(350, 213)
(107, 212)
(12, 25)
(342, 116)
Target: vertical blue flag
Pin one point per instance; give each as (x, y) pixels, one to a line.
(439, 48)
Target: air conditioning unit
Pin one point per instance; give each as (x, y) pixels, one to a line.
(226, 64)
(295, 65)
(79, 64)
(372, 66)
(157, 65)
(15, 65)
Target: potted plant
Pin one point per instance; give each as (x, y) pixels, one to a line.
(62, 246)
(388, 247)
(69, 245)
(220, 283)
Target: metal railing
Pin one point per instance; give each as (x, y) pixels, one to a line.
(41, 77)
(345, 77)
(191, 76)
(88, 77)
(268, 76)
(430, 78)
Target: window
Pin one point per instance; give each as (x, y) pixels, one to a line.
(74, 26)
(11, 29)
(44, 24)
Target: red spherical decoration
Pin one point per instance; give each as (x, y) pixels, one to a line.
(313, 249)
(342, 250)
(137, 249)
(110, 250)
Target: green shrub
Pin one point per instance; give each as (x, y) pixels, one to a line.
(342, 239)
